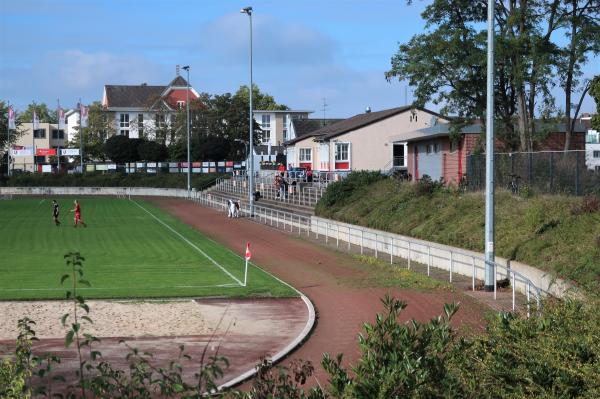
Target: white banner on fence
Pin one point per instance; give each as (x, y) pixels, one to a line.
(112, 166)
(101, 167)
(21, 153)
(69, 151)
(47, 168)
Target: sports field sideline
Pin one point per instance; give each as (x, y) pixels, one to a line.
(131, 249)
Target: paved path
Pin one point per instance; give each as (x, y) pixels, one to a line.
(318, 271)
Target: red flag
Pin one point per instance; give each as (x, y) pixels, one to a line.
(248, 254)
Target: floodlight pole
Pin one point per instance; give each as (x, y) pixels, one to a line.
(490, 266)
(248, 11)
(187, 106)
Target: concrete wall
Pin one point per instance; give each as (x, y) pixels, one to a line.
(111, 191)
(454, 260)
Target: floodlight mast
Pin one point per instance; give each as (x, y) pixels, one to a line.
(187, 118)
(250, 168)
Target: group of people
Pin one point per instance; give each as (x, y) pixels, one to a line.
(281, 186)
(233, 209)
(76, 209)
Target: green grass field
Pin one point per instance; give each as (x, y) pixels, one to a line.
(131, 250)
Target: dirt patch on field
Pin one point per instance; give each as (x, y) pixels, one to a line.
(318, 272)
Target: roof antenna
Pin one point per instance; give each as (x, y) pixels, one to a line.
(324, 109)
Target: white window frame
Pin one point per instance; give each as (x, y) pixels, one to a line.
(180, 104)
(596, 154)
(337, 157)
(302, 152)
(124, 121)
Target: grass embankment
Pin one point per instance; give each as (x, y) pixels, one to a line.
(556, 233)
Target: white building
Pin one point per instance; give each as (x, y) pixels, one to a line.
(144, 110)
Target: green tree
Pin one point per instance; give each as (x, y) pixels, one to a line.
(4, 136)
(121, 149)
(260, 100)
(595, 93)
(44, 114)
(582, 26)
(94, 136)
(447, 63)
(152, 151)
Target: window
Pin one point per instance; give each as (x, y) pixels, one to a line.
(453, 145)
(341, 152)
(285, 127)
(39, 133)
(596, 154)
(305, 155)
(160, 121)
(180, 104)
(265, 125)
(58, 134)
(436, 147)
(124, 124)
(428, 148)
(140, 124)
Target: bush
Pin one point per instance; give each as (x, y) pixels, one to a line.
(152, 151)
(589, 204)
(339, 192)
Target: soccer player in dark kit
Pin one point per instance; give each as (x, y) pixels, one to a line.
(55, 212)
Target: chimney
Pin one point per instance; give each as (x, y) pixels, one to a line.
(368, 110)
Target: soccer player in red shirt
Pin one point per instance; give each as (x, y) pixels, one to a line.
(77, 211)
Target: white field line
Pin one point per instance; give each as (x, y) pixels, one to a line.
(190, 243)
(118, 288)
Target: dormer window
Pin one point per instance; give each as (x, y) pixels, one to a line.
(180, 104)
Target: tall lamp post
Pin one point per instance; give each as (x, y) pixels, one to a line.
(490, 275)
(248, 11)
(187, 118)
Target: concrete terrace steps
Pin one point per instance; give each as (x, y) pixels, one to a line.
(272, 204)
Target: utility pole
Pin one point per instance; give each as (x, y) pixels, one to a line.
(490, 267)
(248, 11)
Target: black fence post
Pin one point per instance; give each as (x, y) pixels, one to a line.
(529, 169)
(577, 173)
(551, 170)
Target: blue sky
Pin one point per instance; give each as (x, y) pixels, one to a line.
(304, 50)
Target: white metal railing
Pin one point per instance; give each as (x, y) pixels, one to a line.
(454, 260)
(277, 218)
(295, 195)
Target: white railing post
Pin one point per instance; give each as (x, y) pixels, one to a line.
(376, 247)
(513, 291)
(451, 264)
(495, 282)
(409, 255)
(392, 251)
(428, 259)
(362, 238)
(473, 277)
(528, 298)
(348, 238)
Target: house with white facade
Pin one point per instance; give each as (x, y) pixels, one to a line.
(277, 124)
(144, 110)
(367, 141)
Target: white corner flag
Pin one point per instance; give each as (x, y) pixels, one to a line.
(248, 255)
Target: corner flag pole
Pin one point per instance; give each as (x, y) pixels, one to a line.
(248, 255)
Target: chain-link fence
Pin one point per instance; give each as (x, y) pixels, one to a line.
(554, 172)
